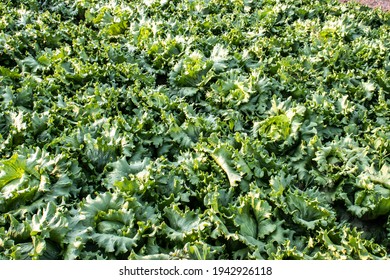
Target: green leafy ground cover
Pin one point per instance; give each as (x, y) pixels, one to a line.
(194, 130)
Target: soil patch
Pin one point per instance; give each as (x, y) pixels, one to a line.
(383, 4)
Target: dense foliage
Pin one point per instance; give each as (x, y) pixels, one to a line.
(200, 129)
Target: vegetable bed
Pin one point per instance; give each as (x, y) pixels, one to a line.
(196, 129)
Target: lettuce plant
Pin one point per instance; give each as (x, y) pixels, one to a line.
(194, 130)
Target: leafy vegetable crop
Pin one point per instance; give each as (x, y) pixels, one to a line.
(169, 129)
